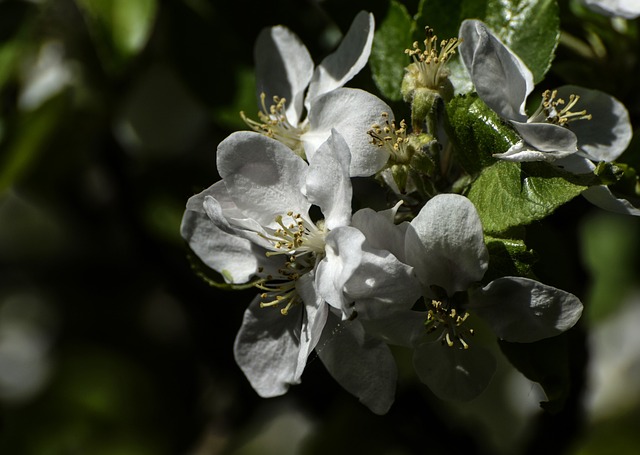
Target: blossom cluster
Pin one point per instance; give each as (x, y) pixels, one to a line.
(349, 284)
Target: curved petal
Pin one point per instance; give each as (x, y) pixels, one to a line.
(346, 61)
(576, 164)
(343, 255)
(380, 230)
(393, 326)
(501, 79)
(352, 112)
(263, 177)
(314, 320)
(602, 197)
(452, 373)
(283, 68)
(235, 258)
(556, 141)
(608, 133)
(267, 348)
(361, 364)
(445, 244)
(328, 182)
(629, 9)
(523, 310)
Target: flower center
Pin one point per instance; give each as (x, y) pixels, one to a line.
(429, 65)
(439, 315)
(275, 124)
(392, 138)
(303, 242)
(553, 110)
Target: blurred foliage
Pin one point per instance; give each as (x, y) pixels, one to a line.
(110, 112)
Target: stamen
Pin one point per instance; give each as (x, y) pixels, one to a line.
(275, 124)
(430, 63)
(450, 320)
(549, 111)
(303, 243)
(391, 137)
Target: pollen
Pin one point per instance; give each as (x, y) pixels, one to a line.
(450, 321)
(302, 244)
(273, 123)
(392, 138)
(555, 110)
(429, 65)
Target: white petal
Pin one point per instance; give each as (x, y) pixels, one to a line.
(501, 79)
(602, 197)
(352, 113)
(556, 141)
(452, 373)
(267, 347)
(343, 255)
(328, 182)
(361, 364)
(235, 258)
(629, 9)
(314, 320)
(523, 310)
(283, 68)
(380, 230)
(393, 326)
(445, 244)
(608, 133)
(346, 61)
(263, 177)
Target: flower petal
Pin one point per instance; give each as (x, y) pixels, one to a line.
(445, 244)
(263, 177)
(346, 61)
(328, 182)
(608, 133)
(283, 68)
(361, 364)
(352, 112)
(267, 348)
(315, 318)
(393, 326)
(501, 79)
(452, 373)
(602, 197)
(380, 230)
(233, 257)
(523, 310)
(343, 255)
(629, 9)
(556, 141)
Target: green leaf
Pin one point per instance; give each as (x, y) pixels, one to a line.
(508, 257)
(509, 194)
(531, 28)
(477, 133)
(120, 28)
(388, 59)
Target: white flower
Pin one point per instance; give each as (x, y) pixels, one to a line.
(255, 225)
(554, 131)
(287, 77)
(629, 9)
(444, 243)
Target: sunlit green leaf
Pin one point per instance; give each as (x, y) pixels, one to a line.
(477, 132)
(388, 59)
(529, 27)
(509, 194)
(508, 257)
